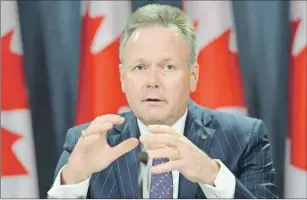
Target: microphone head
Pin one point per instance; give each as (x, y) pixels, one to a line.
(143, 157)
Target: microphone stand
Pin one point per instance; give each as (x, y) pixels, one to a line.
(143, 174)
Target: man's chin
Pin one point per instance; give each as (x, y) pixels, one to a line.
(151, 120)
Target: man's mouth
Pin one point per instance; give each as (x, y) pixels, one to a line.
(153, 100)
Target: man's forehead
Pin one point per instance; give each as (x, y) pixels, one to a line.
(154, 30)
(153, 38)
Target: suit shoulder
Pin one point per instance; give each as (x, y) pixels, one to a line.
(246, 123)
(236, 127)
(232, 120)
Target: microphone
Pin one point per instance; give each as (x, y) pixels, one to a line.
(143, 179)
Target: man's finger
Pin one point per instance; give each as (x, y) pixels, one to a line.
(112, 118)
(102, 124)
(165, 152)
(154, 146)
(166, 167)
(125, 146)
(168, 140)
(163, 129)
(97, 129)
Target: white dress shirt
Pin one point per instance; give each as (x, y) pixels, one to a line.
(224, 183)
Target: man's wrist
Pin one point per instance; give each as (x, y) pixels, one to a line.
(70, 176)
(215, 170)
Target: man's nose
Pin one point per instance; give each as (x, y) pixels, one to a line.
(152, 78)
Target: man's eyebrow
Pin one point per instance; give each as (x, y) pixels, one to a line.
(167, 59)
(140, 60)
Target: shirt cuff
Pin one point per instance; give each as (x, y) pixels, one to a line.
(224, 182)
(78, 190)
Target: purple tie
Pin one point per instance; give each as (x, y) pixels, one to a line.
(161, 186)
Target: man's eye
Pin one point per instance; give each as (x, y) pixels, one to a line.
(139, 67)
(169, 67)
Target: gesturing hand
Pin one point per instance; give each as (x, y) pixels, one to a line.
(92, 152)
(188, 159)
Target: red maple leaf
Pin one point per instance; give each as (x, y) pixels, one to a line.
(298, 98)
(99, 83)
(10, 164)
(13, 97)
(220, 83)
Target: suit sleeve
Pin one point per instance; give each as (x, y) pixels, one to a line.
(67, 191)
(68, 146)
(256, 171)
(77, 191)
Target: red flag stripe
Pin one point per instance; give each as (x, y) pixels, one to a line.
(99, 83)
(219, 81)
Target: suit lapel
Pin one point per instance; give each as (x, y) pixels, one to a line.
(126, 167)
(200, 134)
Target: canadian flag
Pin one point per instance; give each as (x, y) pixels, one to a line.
(219, 85)
(99, 81)
(296, 157)
(18, 164)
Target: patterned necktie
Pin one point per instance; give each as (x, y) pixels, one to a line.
(161, 186)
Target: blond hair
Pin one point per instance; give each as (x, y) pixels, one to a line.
(163, 15)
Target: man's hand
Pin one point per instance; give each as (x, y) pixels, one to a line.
(189, 160)
(92, 152)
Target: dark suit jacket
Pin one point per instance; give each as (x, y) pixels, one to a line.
(241, 143)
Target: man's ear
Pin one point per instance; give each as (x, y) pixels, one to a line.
(121, 74)
(194, 74)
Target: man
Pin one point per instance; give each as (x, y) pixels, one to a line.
(194, 152)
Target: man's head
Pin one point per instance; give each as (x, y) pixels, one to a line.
(159, 69)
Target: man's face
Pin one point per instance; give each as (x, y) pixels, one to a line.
(155, 75)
